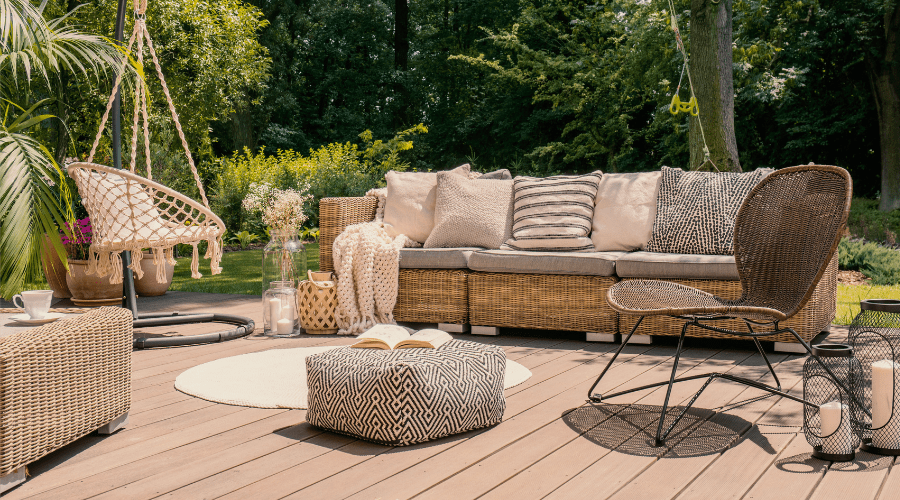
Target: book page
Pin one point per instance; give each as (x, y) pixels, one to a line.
(427, 338)
(382, 336)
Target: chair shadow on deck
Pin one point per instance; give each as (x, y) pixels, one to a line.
(630, 428)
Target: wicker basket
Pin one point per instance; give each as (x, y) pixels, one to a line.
(317, 301)
(335, 214)
(433, 296)
(541, 301)
(815, 316)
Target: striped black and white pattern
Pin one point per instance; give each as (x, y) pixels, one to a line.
(406, 396)
(553, 214)
(695, 211)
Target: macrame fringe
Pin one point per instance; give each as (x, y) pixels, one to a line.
(195, 262)
(137, 255)
(115, 272)
(214, 254)
(159, 260)
(170, 255)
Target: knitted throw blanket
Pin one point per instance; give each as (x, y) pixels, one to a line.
(367, 265)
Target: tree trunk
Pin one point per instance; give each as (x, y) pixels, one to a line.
(884, 76)
(711, 69)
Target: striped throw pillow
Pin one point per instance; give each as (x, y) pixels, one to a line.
(553, 214)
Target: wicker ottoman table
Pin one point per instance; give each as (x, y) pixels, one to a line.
(406, 396)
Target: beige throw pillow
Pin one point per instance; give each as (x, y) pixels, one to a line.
(471, 212)
(624, 211)
(409, 208)
(554, 214)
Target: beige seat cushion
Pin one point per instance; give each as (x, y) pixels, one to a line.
(624, 211)
(411, 197)
(528, 262)
(676, 266)
(471, 213)
(435, 258)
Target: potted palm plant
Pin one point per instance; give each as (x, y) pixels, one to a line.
(34, 198)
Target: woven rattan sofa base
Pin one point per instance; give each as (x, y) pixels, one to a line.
(541, 301)
(812, 319)
(432, 296)
(62, 381)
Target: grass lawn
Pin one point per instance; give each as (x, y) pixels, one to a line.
(241, 273)
(848, 298)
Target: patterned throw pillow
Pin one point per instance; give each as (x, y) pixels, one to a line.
(471, 212)
(553, 214)
(695, 211)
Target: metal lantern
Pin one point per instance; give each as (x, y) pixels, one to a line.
(831, 423)
(875, 337)
(280, 317)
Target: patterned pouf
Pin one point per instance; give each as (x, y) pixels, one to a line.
(406, 396)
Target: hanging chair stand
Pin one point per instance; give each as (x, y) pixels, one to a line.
(243, 326)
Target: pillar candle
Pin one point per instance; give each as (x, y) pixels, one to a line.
(284, 326)
(886, 429)
(274, 311)
(838, 438)
(287, 312)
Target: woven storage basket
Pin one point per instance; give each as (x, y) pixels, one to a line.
(335, 214)
(541, 301)
(433, 296)
(815, 316)
(317, 300)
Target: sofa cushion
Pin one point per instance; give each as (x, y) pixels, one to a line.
(409, 208)
(624, 211)
(529, 262)
(435, 258)
(471, 212)
(553, 214)
(696, 210)
(676, 266)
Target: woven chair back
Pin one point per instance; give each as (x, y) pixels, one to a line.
(787, 232)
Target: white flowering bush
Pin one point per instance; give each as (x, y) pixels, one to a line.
(280, 208)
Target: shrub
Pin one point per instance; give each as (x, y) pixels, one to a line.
(337, 169)
(869, 223)
(880, 264)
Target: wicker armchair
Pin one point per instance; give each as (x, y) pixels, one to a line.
(786, 234)
(59, 382)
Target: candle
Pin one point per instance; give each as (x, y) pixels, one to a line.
(285, 326)
(838, 439)
(287, 312)
(274, 310)
(886, 432)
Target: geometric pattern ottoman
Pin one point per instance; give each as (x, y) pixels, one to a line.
(406, 396)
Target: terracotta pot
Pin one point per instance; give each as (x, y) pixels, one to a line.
(54, 271)
(91, 290)
(147, 286)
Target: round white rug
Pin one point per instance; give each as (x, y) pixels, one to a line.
(267, 379)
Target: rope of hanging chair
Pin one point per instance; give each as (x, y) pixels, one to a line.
(694, 109)
(141, 33)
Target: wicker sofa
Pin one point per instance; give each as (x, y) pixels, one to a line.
(495, 288)
(59, 382)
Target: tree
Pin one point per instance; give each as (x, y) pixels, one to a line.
(712, 71)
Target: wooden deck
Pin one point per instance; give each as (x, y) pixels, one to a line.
(550, 444)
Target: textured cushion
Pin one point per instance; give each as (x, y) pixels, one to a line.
(406, 396)
(435, 258)
(572, 263)
(471, 213)
(624, 211)
(502, 174)
(696, 210)
(676, 266)
(554, 214)
(409, 208)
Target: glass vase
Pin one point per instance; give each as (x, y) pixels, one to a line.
(280, 318)
(284, 258)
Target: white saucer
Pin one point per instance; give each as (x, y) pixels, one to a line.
(27, 320)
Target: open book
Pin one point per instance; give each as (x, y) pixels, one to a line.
(396, 337)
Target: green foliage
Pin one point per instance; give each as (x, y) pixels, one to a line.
(244, 239)
(849, 297)
(309, 234)
(871, 224)
(337, 169)
(880, 264)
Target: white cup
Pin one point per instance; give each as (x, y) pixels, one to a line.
(35, 303)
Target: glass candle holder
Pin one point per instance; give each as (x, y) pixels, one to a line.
(280, 318)
(284, 257)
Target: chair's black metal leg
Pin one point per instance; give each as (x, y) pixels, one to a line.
(598, 398)
(130, 295)
(766, 358)
(662, 414)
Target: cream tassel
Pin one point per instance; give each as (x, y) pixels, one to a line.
(115, 262)
(170, 255)
(159, 260)
(93, 257)
(195, 262)
(214, 254)
(137, 255)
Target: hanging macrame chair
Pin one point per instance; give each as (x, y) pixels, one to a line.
(130, 213)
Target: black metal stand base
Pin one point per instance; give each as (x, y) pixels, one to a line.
(867, 446)
(817, 453)
(243, 326)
